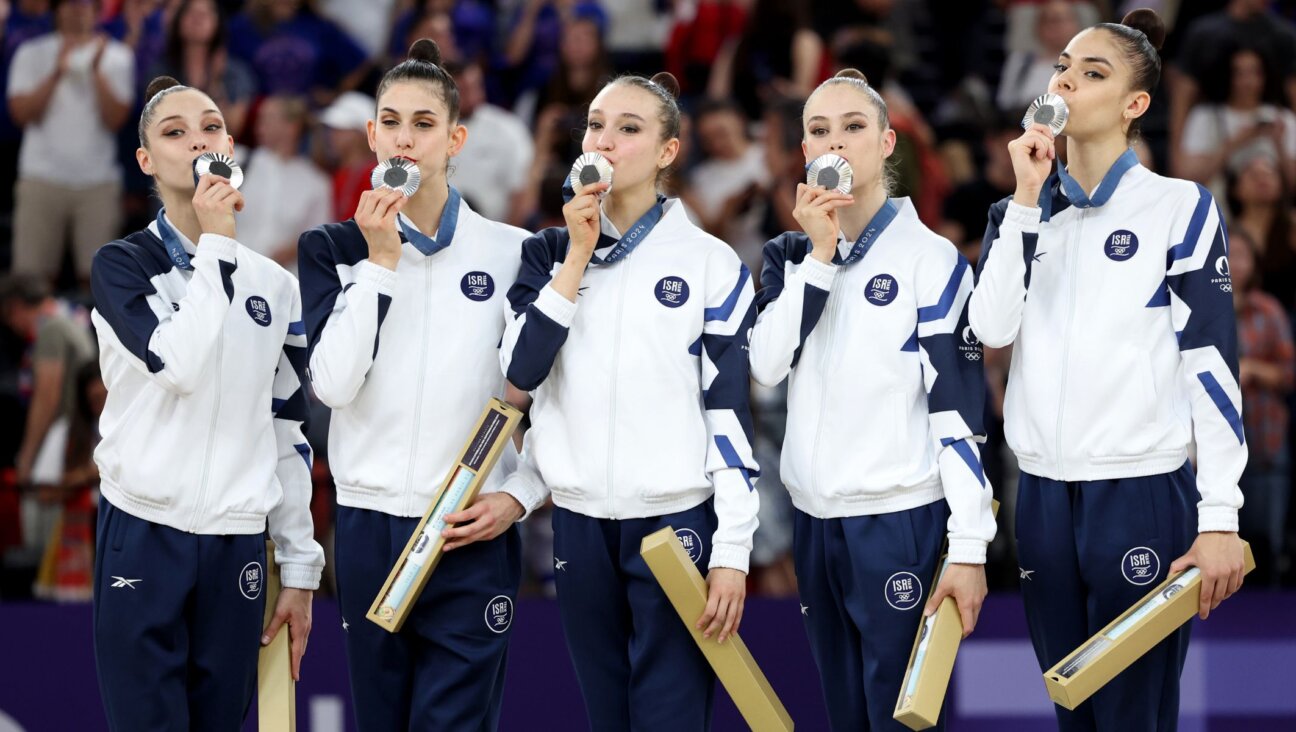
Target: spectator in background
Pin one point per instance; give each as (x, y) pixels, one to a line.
(471, 21)
(292, 194)
(437, 25)
(197, 55)
(58, 347)
(583, 68)
(294, 51)
(70, 90)
(778, 54)
(964, 210)
(367, 22)
(636, 34)
(20, 21)
(701, 29)
(141, 25)
(1266, 364)
(1219, 138)
(726, 190)
(786, 164)
(1260, 204)
(346, 149)
(533, 47)
(1026, 74)
(1202, 67)
(66, 573)
(491, 168)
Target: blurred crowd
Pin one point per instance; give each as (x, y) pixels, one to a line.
(294, 79)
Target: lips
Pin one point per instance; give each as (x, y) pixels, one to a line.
(406, 157)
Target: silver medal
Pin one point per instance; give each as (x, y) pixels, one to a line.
(211, 163)
(831, 172)
(589, 169)
(1049, 110)
(398, 174)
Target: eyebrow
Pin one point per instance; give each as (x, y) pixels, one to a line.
(416, 113)
(631, 115)
(821, 118)
(1090, 59)
(205, 112)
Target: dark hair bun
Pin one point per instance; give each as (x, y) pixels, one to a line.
(667, 81)
(1149, 22)
(426, 50)
(159, 85)
(851, 74)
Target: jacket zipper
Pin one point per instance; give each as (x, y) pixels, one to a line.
(418, 392)
(616, 363)
(1073, 264)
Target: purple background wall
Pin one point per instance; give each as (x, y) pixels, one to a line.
(1241, 672)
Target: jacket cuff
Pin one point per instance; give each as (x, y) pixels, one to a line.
(1217, 518)
(967, 551)
(1023, 217)
(530, 494)
(730, 556)
(378, 277)
(221, 247)
(817, 274)
(300, 576)
(555, 307)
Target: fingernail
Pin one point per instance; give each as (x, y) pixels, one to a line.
(265, 640)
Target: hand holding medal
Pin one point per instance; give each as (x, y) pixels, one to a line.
(590, 180)
(829, 179)
(1033, 153)
(394, 180)
(216, 197)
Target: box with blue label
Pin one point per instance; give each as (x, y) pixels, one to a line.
(931, 662)
(1160, 613)
(423, 551)
(673, 567)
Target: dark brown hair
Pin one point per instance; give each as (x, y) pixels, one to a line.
(1140, 35)
(157, 90)
(424, 64)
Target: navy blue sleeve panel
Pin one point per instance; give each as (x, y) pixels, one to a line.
(172, 343)
(729, 316)
(541, 317)
(951, 354)
(345, 298)
(300, 558)
(1003, 272)
(790, 306)
(953, 375)
(1200, 295)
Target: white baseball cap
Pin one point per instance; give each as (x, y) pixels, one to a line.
(350, 111)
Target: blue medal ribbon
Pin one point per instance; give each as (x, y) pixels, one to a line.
(610, 251)
(171, 240)
(867, 238)
(445, 231)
